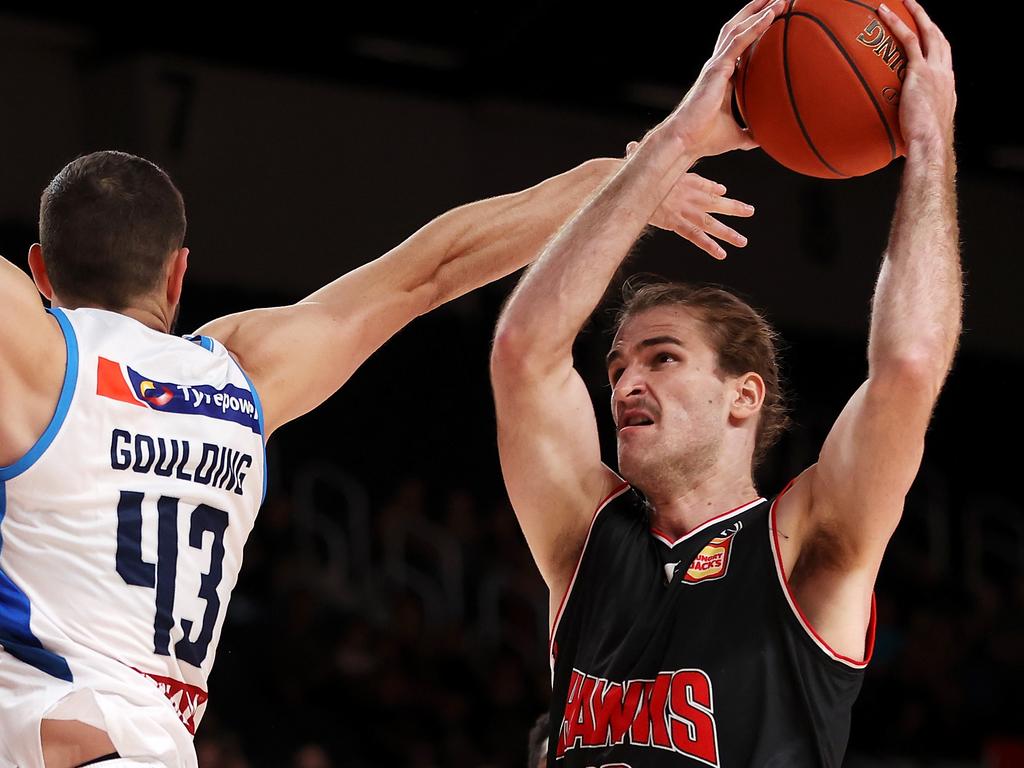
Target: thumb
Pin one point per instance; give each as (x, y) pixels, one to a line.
(747, 140)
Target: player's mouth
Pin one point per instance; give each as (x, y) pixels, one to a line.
(634, 419)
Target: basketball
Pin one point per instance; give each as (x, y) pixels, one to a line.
(820, 89)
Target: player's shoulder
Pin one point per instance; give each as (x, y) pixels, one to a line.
(797, 495)
(36, 374)
(31, 342)
(622, 510)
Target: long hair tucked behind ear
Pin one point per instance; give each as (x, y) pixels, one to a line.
(107, 224)
(741, 338)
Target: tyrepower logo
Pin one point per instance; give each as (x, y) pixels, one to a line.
(672, 712)
(229, 403)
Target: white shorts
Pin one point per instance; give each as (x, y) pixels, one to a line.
(142, 725)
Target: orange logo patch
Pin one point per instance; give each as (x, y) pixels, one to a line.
(712, 562)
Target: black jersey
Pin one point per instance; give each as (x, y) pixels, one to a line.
(692, 652)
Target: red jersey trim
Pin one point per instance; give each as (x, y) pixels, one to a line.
(561, 606)
(186, 699)
(869, 640)
(664, 539)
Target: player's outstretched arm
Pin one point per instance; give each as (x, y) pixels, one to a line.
(853, 497)
(32, 360)
(547, 432)
(299, 355)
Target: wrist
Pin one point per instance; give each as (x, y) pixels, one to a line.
(663, 144)
(930, 149)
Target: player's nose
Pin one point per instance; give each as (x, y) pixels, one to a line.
(630, 384)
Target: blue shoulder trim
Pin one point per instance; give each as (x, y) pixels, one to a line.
(263, 430)
(203, 341)
(67, 392)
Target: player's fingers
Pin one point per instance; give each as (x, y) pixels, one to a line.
(933, 42)
(907, 37)
(723, 232)
(730, 207)
(698, 237)
(744, 35)
(706, 187)
(750, 9)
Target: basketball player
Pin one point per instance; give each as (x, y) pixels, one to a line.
(693, 622)
(132, 461)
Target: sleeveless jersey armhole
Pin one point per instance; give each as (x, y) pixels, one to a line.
(67, 393)
(259, 415)
(798, 614)
(565, 598)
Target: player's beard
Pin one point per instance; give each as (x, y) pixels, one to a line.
(663, 470)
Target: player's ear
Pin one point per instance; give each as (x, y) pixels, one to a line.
(38, 268)
(747, 396)
(176, 275)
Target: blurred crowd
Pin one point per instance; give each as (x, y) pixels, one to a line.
(426, 648)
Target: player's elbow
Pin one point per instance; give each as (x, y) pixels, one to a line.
(508, 351)
(911, 379)
(428, 296)
(515, 356)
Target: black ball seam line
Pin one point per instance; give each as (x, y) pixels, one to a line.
(857, 72)
(792, 97)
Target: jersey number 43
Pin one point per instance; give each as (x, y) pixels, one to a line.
(162, 575)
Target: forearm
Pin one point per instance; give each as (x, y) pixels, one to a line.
(501, 235)
(917, 304)
(558, 294)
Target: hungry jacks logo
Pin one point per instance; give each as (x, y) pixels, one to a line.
(712, 562)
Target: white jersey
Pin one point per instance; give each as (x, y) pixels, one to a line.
(121, 536)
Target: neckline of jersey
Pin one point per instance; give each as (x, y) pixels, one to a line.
(664, 539)
(123, 316)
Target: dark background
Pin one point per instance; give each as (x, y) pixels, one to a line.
(388, 612)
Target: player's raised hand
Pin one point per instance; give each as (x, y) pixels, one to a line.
(687, 210)
(928, 95)
(703, 121)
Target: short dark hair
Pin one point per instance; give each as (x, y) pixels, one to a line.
(740, 336)
(107, 224)
(538, 739)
